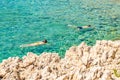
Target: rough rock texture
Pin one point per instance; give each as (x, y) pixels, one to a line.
(80, 63)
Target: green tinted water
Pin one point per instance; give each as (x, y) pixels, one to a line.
(27, 21)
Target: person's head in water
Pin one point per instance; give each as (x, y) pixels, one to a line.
(45, 41)
(89, 25)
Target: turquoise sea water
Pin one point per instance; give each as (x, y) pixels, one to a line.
(28, 21)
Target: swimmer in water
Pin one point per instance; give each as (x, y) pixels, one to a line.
(79, 27)
(34, 44)
(83, 27)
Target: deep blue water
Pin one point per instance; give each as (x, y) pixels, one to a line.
(27, 21)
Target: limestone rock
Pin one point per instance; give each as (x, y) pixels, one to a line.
(81, 62)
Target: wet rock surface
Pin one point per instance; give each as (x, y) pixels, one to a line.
(80, 63)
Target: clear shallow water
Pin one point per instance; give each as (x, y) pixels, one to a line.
(27, 21)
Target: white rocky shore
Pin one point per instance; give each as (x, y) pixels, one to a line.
(82, 62)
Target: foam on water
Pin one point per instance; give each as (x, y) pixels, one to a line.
(27, 21)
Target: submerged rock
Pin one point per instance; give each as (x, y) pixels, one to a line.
(81, 62)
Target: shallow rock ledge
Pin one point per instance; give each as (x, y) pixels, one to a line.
(80, 63)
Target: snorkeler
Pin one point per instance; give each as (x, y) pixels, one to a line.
(34, 44)
(83, 27)
(79, 27)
